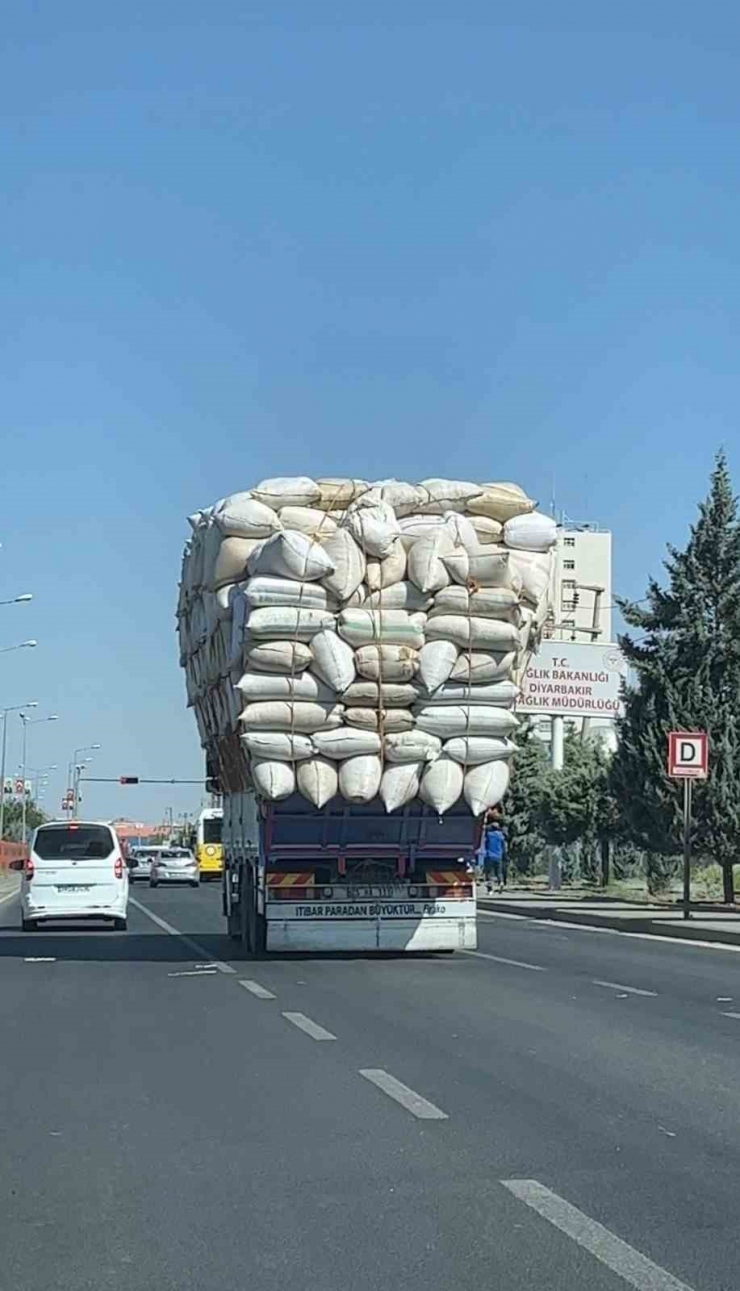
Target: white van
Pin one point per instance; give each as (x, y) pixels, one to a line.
(75, 870)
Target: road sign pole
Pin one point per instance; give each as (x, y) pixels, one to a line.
(687, 848)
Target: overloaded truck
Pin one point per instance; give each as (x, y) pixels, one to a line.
(352, 653)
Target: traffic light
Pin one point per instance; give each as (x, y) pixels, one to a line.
(129, 779)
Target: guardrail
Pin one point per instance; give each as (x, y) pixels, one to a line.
(10, 852)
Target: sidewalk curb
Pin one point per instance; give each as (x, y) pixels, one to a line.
(651, 924)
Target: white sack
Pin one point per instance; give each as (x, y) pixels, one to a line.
(346, 742)
(448, 495)
(412, 746)
(264, 591)
(502, 694)
(482, 667)
(441, 784)
(392, 627)
(401, 596)
(242, 516)
(473, 633)
(374, 528)
(487, 530)
(273, 780)
(288, 621)
(419, 526)
(501, 502)
(436, 662)
(403, 498)
(338, 494)
(426, 564)
(484, 565)
(287, 491)
(278, 656)
(387, 662)
(400, 784)
(333, 659)
(486, 785)
(257, 686)
(317, 780)
(450, 720)
(368, 719)
(473, 750)
(231, 562)
(461, 530)
(369, 694)
(535, 532)
(359, 778)
(310, 520)
(391, 569)
(301, 716)
(488, 603)
(534, 569)
(348, 562)
(278, 745)
(291, 555)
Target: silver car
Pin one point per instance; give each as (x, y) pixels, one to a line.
(174, 865)
(140, 862)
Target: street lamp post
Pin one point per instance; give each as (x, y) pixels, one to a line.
(22, 645)
(73, 778)
(26, 723)
(15, 708)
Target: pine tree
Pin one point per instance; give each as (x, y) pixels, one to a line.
(687, 666)
(522, 804)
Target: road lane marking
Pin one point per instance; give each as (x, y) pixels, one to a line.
(408, 1098)
(254, 988)
(196, 972)
(617, 986)
(40, 959)
(9, 897)
(311, 1028)
(174, 932)
(622, 1259)
(499, 959)
(730, 1015)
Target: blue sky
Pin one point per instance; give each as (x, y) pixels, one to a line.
(242, 239)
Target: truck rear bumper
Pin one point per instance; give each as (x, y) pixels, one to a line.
(285, 935)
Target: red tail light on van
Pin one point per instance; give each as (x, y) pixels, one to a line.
(29, 868)
(118, 868)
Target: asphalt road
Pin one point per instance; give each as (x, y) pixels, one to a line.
(566, 1119)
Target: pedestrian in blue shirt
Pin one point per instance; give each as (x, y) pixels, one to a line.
(496, 863)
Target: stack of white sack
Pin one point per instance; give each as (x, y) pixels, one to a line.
(343, 637)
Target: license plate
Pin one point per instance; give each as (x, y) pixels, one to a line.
(73, 887)
(365, 894)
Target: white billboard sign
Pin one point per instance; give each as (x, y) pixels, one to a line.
(573, 680)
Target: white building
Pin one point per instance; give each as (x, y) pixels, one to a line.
(582, 604)
(582, 585)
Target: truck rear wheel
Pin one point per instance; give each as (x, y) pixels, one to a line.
(253, 924)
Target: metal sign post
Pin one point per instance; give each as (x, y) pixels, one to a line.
(688, 759)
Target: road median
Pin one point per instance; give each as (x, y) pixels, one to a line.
(707, 923)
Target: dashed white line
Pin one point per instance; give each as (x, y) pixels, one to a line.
(254, 988)
(40, 959)
(196, 972)
(499, 959)
(617, 986)
(10, 895)
(188, 941)
(730, 1015)
(408, 1098)
(310, 1027)
(619, 1256)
